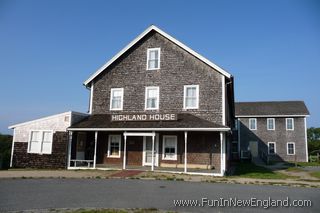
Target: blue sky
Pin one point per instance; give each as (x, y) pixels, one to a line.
(48, 48)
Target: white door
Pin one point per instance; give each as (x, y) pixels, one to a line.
(147, 151)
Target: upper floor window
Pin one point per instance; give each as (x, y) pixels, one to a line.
(116, 99)
(191, 97)
(271, 148)
(40, 142)
(270, 123)
(252, 123)
(153, 58)
(291, 149)
(289, 124)
(152, 98)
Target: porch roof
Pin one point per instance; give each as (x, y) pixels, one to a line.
(184, 122)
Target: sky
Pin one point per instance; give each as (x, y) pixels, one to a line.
(48, 48)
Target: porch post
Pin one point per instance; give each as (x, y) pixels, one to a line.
(185, 150)
(69, 148)
(124, 151)
(95, 149)
(152, 156)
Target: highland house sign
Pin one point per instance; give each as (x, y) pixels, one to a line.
(145, 117)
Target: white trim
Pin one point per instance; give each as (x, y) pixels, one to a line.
(45, 118)
(175, 147)
(41, 142)
(95, 149)
(266, 116)
(275, 148)
(159, 53)
(292, 124)
(109, 142)
(306, 139)
(256, 126)
(91, 97)
(185, 87)
(12, 148)
(294, 148)
(124, 152)
(156, 149)
(185, 150)
(111, 98)
(151, 129)
(274, 123)
(138, 38)
(222, 153)
(223, 94)
(139, 134)
(146, 98)
(69, 147)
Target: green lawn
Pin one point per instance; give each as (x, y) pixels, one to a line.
(250, 170)
(303, 164)
(315, 174)
(151, 210)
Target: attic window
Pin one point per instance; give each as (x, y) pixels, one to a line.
(153, 58)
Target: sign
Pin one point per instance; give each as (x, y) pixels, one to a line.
(144, 117)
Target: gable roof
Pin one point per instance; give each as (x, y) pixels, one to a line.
(271, 108)
(144, 33)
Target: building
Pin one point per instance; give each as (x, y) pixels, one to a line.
(42, 143)
(273, 131)
(156, 105)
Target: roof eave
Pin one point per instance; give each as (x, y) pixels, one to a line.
(139, 37)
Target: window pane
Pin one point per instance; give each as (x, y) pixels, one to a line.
(47, 137)
(191, 92)
(35, 143)
(271, 148)
(116, 99)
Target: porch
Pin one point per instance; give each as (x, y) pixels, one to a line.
(188, 144)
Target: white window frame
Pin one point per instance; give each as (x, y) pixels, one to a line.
(292, 124)
(275, 148)
(111, 99)
(274, 123)
(294, 148)
(146, 98)
(109, 143)
(41, 142)
(185, 87)
(159, 54)
(175, 147)
(250, 120)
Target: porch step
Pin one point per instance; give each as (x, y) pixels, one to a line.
(126, 173)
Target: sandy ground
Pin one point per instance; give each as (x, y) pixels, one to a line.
(301, 180)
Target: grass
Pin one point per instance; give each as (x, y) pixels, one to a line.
(294, 169)
(150, 210)
(303, 164)
(250, 170)
(315, 174)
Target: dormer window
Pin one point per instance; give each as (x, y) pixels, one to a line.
(153, 58)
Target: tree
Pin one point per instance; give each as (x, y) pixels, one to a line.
(313, 135)
(5, 151)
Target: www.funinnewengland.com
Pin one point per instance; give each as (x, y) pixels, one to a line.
(236, 202)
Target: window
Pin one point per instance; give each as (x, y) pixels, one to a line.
(289, 124)
(271, 148)
(40, 142)
(191, 97)
(153, 58)
(114, 146)
(252, 123)
(169, 147)
(152, 98)
(291, 150)
(270, 124)
(116, 100)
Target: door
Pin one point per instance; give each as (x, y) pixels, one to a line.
(147, 151)
(254, 148)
